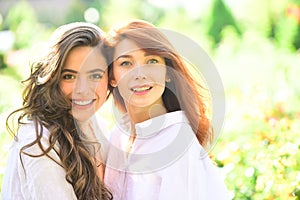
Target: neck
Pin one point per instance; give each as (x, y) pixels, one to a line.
(140, 114)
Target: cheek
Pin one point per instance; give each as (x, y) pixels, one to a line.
(124, 91)
(123, 86)
(118, 73)
(161, 80)
(158, 74)
(67, 88)
(101, 88)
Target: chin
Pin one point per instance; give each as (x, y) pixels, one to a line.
(81, 117)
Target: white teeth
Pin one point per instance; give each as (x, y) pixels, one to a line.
(82, 103)
(141, 89)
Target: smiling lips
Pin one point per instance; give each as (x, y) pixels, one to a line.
(140, 90)
(82, 103)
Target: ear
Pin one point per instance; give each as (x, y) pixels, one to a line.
(168, 79)
(113, 83)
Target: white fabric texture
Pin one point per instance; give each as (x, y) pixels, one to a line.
(41, 177)
(166, 162)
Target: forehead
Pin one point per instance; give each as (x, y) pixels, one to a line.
(84, 58)
(126, 46)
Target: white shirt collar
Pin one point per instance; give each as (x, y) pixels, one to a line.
(152, 126)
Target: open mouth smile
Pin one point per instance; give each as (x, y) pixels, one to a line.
(141, 89)
(83, 102)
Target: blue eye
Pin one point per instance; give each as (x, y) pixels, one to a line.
(152, 61)
(96, 76)
(125, 63)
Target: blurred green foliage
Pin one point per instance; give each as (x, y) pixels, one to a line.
(22, 20)
(2, 62)
(75, 11)
(255, 45)
(287, 29)
(220, 17)
(259, 147)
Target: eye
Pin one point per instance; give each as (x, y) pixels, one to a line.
(68, 77)
(96, 76)
(152, 61)
(125, 63)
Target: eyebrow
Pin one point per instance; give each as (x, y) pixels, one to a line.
(123, 56)
(76, 72)
(129, 56)
(96, 70)
(69, 70)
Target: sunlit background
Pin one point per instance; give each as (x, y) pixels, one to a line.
(254, 44)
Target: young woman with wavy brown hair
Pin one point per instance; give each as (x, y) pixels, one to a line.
(55, 154)
(157, 149)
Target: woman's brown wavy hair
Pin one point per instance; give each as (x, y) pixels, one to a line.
(46, 106)
(184, 92)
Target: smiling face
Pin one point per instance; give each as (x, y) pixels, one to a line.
(84, 81)
(140, 76)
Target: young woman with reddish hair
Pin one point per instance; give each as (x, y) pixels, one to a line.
(157, 149)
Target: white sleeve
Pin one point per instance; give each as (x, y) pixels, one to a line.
(216, 188)
(206, 181)
(192, 177)
(43, 178)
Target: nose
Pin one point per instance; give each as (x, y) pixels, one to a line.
(139, 74)
(81, 86)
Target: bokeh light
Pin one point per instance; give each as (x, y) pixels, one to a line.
(91, 15)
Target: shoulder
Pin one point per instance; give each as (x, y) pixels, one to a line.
(28, 130)
(27, 133)
(177, 124)
(174, 120)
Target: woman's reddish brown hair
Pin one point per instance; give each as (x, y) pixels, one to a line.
(184, 92)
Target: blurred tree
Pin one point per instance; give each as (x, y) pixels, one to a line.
(1, 20)
(116, 11)
(220, 17)
(297, 193)
(76, 11)
(150, 12)
(100, 5)
(21, 19)
(286, 26)
(293, 11)
(2, 63)
(256, 16)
